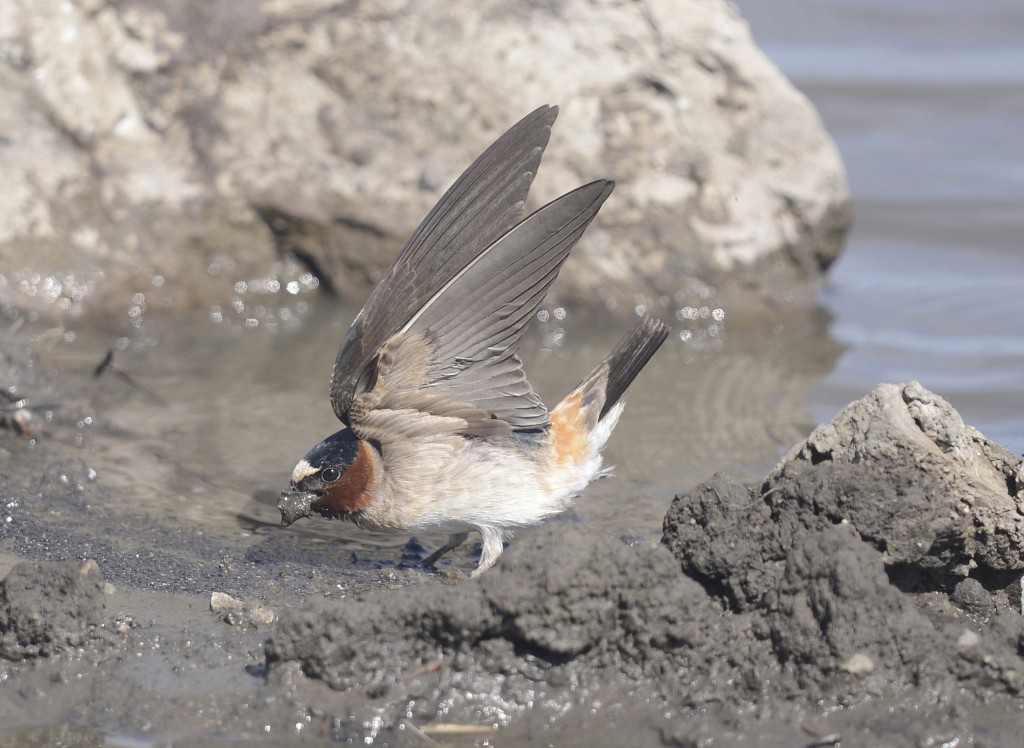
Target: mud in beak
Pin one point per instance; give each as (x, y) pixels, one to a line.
(295, 505)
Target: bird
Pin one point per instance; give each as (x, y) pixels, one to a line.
(442, 432)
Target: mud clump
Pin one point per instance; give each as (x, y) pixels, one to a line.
(934, 495)
(882, 554)
(728, 539)
(47, 607)
(938, 500)
(834, 618)
(562, 616)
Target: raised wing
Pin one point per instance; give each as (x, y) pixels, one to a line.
(457, 357)
(483, 204)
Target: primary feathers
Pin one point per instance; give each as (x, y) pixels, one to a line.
(443, 430)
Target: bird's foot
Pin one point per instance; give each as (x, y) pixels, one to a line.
(454, 541)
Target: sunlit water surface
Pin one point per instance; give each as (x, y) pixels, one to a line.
(926, 102)
(216, 415)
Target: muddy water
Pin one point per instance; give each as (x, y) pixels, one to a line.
(926, 102)
(215, 415)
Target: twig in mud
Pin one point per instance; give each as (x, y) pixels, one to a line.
(107, 364)
(832, 740)
(418, 732)
(451, 728)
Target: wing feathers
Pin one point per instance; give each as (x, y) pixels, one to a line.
(440, 335)
(514, 273)
(477, 320)
(482, 205)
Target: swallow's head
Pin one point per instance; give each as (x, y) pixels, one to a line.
(334, 479)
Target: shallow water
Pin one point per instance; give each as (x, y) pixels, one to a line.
(926, 103)
(928, 116)
(216, 416)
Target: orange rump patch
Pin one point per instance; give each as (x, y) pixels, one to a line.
(568, 431)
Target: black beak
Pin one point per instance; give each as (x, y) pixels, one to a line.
(295, 505)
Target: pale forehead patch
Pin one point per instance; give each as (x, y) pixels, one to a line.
(302, 471)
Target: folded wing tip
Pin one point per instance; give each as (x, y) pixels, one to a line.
(546, 111)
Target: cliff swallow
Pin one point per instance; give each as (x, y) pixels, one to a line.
(442, 430)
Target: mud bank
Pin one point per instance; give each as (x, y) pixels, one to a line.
(867, 590)
(877, 568)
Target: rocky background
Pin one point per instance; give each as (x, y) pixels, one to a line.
(177, 155)
(866, 592)
(164, 153)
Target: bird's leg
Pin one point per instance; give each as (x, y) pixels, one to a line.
(454, 541)
(492, 548)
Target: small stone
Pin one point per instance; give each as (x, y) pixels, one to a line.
(262, 615)
(221, 602)
(972, 597)
(89, 568)
(968, 640)
(859, 664)
(240, 613)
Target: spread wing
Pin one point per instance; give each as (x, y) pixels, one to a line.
(457, 356)
(483, 204)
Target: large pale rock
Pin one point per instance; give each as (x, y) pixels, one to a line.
(180, 150)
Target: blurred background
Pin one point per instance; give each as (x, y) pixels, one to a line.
(208, 191)
(926, 103)
(198, 196)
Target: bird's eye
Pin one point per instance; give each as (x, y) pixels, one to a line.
(330, 474)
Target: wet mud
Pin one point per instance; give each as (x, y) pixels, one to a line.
(865, 591)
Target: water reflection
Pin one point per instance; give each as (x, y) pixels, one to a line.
(234, 410)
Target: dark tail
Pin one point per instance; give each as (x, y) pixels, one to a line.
(576, 419)
(630, 356)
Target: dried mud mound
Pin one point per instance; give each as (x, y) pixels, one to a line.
(877, 560)
(884, 552)
(938, 500)
(46, 607)
(564, 615)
